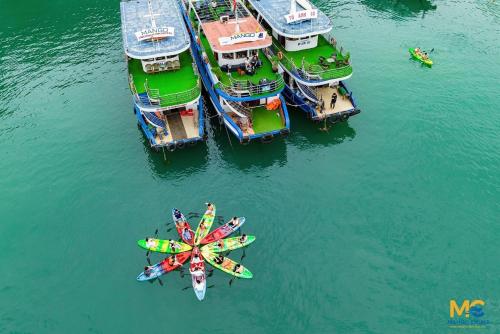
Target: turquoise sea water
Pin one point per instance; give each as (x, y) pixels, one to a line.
(370, 228)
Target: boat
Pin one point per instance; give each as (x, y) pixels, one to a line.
(243, 84)
(228, 244)
(314, 66)
(418, 57)
(227, 265)
(182, 226)
(206, 223)
(169, 264)
(163, 78)
(198, 276)
(163, 246)
(224, 230)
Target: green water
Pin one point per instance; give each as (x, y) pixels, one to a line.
(370, 228)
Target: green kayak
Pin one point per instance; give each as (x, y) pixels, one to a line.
(227, 265)
(419, 57)
(205, 224)
(164, 246)
(228, 244)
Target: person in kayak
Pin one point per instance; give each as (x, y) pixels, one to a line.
(174, 245)
(238, 268)
(210, 208)
(177, 214)
(186, 235)
(233, 222)
(196, 259)
(219, 259)
(243, 238)
(220, 244)
(148, 270)
(151, 243)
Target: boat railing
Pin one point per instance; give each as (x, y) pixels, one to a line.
(312, 72)
(157, 99)
(240, 109)
(248, 88)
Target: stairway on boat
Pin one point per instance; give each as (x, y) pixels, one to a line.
(307, 91)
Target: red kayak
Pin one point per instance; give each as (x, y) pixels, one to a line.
(224, 230)
(182, 226)
(175, 261)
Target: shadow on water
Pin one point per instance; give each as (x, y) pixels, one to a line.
(179, 163)
(307, 134)
(401, 8)
(253, 155)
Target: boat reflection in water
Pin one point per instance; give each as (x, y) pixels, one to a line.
(401, 8)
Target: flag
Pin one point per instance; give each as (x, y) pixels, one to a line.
(234, 6)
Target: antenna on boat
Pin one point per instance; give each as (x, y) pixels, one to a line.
(235, 6)
(293, 7)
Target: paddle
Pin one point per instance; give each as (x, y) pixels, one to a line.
(187, 287)
(231, 281)
(211, 286)
(243, 256)
(159, 281)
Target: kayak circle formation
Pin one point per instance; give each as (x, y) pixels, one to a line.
(200, 247)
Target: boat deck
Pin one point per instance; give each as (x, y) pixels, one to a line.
(178, 128)
(343, 103)
(263, 121)
(263, 72)
(326, 70)
(170, 82)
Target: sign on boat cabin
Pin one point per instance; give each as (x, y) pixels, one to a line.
(243, 37)
(154, 33)
(307, 14)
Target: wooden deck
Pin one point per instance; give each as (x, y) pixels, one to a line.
(343, 103)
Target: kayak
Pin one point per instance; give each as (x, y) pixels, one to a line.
(227, 265)
(227, 244)
(205, 224)
(223, 231)
(164, 267)
(419, 57)
(182, 226)
(164, 246)
(198, 277)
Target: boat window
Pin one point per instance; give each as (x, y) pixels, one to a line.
(292, 39)
(160, 58)
(216, 56)
(228, 56)
(241, 54)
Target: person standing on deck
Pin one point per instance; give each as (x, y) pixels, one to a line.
(333, 100)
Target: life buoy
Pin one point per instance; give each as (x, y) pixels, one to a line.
(280, 55)
(344, 117)
(180, 145)
(171, 147)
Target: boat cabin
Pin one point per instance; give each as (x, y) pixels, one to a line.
(154, 34)
(236, 42)
(295, 24)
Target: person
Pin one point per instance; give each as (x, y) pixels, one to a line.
(243, 238)
(333, 100)
(196, 259)
(233, 222)
(219, 259)
(210, 208)
(175, 262)
(174, 245)
(177, 214)
(147, 271)
(151, 243)
(180, 224)
(424, 55)
(220, 244)
(186, 235)
(171, 261)
(238, 268)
